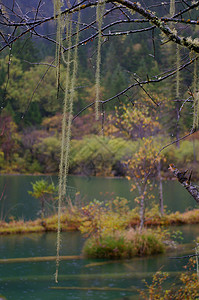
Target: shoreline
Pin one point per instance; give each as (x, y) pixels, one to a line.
(167, 177)
(72, 222)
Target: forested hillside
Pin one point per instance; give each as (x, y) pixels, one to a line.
(31, 116)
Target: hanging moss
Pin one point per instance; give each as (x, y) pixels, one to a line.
(178, 71)
(172, 12)
(99, 19)
(197, 253)
(62, 176)
(57, 15)
(172, 7)
(71, 74)
(196, 97)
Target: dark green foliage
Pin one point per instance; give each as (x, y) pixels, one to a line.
(47, 152)
(33, 115)
(114, 82)
(25, 51)
(3, 77)
(9, 138)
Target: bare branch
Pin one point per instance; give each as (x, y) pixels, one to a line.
(129, 31)
(148, 81)
(185, 182)
(183, 41)
(177, 140)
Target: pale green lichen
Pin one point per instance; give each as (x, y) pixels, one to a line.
(99, 19)
(196, 97)
(71, 74)
(195, 2)
(196, 42)
(174, 31)
(172, 7)
(177, 71)
(190, 43)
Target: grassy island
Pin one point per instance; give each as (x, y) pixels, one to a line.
(75, 221)
(112, 229)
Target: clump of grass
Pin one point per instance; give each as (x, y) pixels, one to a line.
(70, 221)
(146, 242)
(124, 244)
(107, 247)
(21, 226)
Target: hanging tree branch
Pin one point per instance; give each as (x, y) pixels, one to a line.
(134, 6)
(172, 35)
(185, 181)
(138, 83)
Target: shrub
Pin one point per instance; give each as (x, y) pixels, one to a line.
(188, 289)
(47, 153)
(100, 155)
(101, 218)
(35, 167)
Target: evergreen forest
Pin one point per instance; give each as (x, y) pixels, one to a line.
(31, 105)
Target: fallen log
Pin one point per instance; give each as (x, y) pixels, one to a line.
(37, 259)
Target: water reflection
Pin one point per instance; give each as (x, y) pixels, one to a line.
(18, 203)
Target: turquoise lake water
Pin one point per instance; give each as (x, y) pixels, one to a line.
(34, 280)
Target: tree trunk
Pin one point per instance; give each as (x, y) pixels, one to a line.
(42, 209)
(194, 151)
(161, 202)
(142, 212)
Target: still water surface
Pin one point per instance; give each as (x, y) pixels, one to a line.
(33, 280)
(19, 203)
